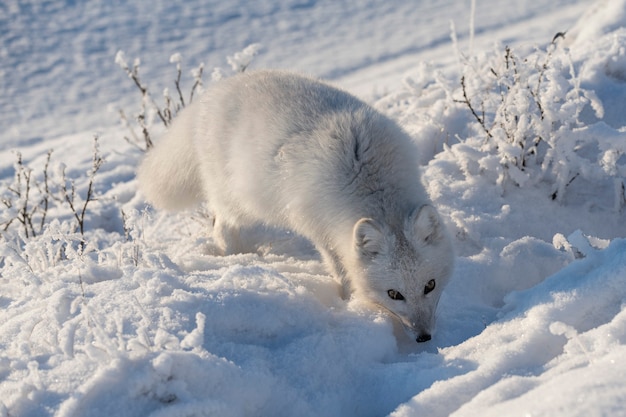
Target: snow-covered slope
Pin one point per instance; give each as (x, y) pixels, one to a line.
(139, 316)
(58, 76)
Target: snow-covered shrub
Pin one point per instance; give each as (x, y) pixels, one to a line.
(25, 199)
(150, 109)
(36, 198)
(28, 198)
(522, 117)
(527, 107)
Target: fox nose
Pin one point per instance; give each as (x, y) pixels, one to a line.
(423, 338)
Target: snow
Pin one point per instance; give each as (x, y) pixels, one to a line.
(141, 316)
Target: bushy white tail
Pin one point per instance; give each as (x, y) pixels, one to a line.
(169, 176)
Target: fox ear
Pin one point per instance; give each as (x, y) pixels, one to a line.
(426, 223)
(369, 239)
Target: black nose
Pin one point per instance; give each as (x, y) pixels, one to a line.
(423, 338)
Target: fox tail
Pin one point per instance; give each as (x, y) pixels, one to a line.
(169, 175)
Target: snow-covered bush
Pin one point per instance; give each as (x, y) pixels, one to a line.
(522, 118)
(150, 109)
(528, 107)
(27, 198)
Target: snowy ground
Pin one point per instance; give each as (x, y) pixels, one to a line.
(145, 320)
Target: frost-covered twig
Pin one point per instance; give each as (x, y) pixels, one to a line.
(21, 189)
(468, 103)
(240, 61)
(134, 75)
(135, 141)
(167, 112)
(177, 58)
(197, 76)
(25, 198)
(70, 195)
(172, 105)
(46, 191)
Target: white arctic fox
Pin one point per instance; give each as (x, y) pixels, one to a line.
(289, 151)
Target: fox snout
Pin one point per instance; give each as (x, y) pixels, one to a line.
(420, 336)
(419, 333)
(424, 337)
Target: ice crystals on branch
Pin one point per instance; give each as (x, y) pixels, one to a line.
(241, 60)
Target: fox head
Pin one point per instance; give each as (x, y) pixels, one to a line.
(405, 271)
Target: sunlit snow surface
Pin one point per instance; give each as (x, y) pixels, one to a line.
(148, 320)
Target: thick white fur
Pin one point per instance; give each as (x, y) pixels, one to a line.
(292, 152)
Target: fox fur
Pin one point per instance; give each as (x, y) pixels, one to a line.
(292, 152)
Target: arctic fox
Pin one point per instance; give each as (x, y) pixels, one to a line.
(288, 151)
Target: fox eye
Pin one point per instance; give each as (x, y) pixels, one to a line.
(430, 285)
(395, 295)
